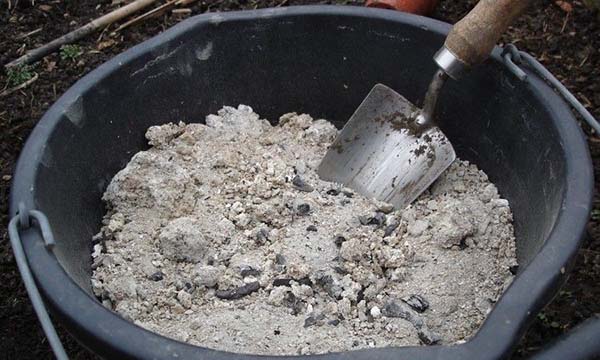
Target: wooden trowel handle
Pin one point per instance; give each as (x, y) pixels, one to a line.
(473, 38)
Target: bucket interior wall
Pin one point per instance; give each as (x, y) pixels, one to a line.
(324, 66)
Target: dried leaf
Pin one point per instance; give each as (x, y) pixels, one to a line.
(565, 6)
(105, 44)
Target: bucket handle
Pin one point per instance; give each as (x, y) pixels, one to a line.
(513, 57)
(22, 221)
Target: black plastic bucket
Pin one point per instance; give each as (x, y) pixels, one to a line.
(323, 61)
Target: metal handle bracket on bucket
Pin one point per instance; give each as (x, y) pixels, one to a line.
(513, 57)
(22, 221)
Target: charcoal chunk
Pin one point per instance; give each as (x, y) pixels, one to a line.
(313, 320)
(311, 228)
(282, 282)
(262, 236)
(427, 337)
(377, 219)
(303, 209)
(301, 185)
(247, 270)
(237, 293)
(390, 229)
(157, 276)
(364, 220)
(287, 281)
(339, 240)
(333, 192)
(334, 322)
(417, 302)
(292, 302)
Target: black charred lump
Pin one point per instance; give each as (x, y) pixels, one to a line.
(262, 236)
(311, 228)
(333, 192)
(396, 310)
(427, 337)
(157, 276)
(334, 322)
(287, 281)
(293, 303)
(377, 219)
(301, 185)
(313, 320)
(390, 229)
(236, 293)
(246, 270)
(303, 209)
(417, 302)
(339, 240)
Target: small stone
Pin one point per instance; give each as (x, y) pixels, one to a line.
(302, 291)
(185, 299)
(417, 227)
(311, 228)
(299, 271)
(386, 208)
(375, 312)
(333, 192)
(301, 185)
(277, 295)
(157, 276)
(303, 209)
(499, 203)
(417, 302)
(334, 322)
(206, 275)
(489, 192)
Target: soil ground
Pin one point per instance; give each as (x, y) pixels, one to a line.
(564, 35)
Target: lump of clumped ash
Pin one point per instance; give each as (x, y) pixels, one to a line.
(222, 235)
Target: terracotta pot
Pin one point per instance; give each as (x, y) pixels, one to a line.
(419, 7)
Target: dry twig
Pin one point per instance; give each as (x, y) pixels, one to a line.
(19, 87)
(101, 22)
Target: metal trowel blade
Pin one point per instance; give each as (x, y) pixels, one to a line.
(382, 153)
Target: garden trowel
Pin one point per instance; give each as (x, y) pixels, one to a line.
(391, 150)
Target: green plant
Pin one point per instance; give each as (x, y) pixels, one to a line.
(70, 52)
(18, 75)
